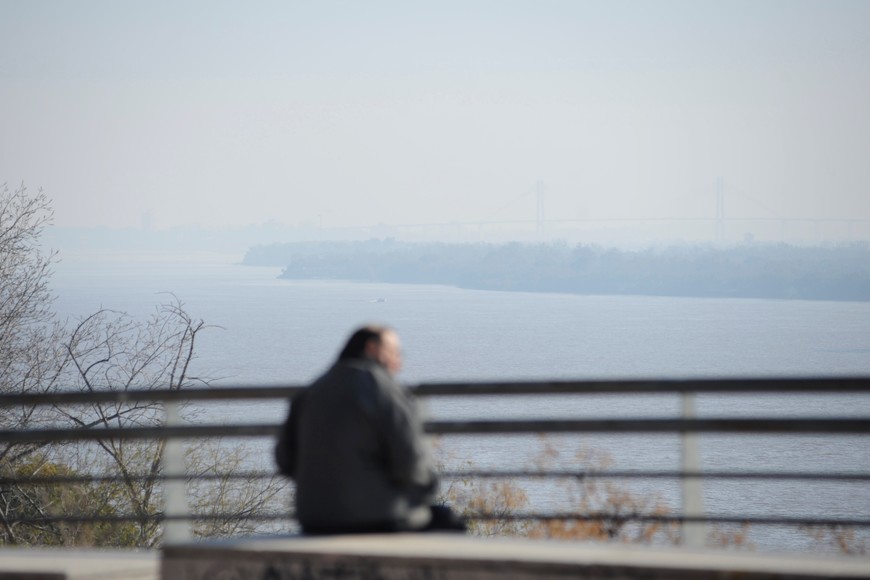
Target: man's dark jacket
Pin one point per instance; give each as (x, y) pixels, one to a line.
(354, 444)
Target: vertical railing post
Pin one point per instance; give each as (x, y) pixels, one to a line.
(693, 534)
(175, 488)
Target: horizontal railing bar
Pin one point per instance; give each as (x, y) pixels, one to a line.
(503, 474)
(676, 425)
(803, 425)
(151, 395)
(567, 474)
(759, 520)
(820, 385)
(72, 479)
(567, 516)
(130, 433)
(151, 518)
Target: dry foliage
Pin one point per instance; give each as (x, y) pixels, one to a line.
(105, 351)
(585, 496)
(845, 539)
(591, 496)
(732, 537)
(230, 503)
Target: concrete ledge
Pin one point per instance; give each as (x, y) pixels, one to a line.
(76, 564)
(434, 557)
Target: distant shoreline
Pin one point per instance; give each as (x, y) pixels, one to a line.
(775, 271)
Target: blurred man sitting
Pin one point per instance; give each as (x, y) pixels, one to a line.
(354, 444)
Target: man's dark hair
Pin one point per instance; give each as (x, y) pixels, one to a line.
(356, 344)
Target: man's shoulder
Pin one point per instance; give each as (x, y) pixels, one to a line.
(357, 372)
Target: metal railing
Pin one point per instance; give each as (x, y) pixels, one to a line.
(176, 516)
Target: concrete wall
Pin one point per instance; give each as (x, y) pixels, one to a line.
(437, 557)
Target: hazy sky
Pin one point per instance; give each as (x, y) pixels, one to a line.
(355, 113)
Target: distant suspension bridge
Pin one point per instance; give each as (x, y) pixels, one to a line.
(848, 227)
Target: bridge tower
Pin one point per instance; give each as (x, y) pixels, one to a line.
(720, 209)
(539, 209)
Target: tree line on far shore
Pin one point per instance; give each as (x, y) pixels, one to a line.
(776, 271)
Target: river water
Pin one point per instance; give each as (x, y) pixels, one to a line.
(269, 331)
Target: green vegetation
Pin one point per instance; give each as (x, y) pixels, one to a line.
(777, 271)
